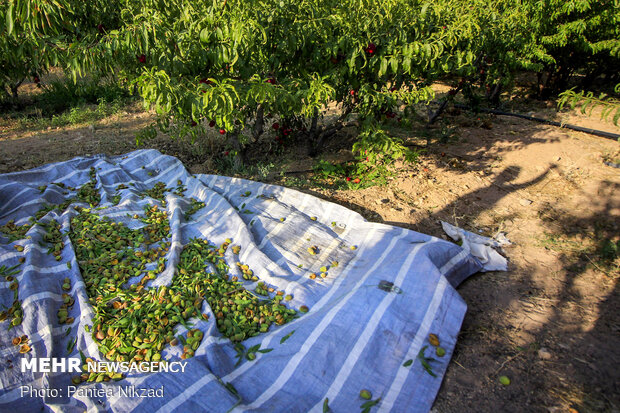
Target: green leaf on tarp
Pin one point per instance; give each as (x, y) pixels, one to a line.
(82, 357)
(70, 345)
(232, 389)
(425, 361)
(286, 337)
(369, 404)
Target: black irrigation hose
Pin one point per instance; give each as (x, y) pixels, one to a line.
(603, 134)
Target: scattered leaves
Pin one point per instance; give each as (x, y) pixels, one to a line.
(425, 361)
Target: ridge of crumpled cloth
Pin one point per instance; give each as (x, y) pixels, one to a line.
(481, 247)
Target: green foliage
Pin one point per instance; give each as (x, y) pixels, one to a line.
(61, 95)
(588, 101)
(76, 115)
(243, 65)
(579, 35)
(380, 148)
(230, 62)
(27, 41)
(36, 35)
(375, 155)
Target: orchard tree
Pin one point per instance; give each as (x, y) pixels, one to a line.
(576, 37)
(29, 32)
(245, 67)
(36, 35)
(239, 66)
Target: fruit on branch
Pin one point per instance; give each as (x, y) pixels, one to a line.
(371, 48)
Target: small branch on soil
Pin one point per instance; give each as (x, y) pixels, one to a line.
(459, 364)
(597, 267)
(586, 363)
(508, 360)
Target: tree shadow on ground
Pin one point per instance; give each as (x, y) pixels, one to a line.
(591, 350)
(562, 357)
(568, 354)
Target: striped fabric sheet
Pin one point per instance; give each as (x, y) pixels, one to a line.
(355, 336)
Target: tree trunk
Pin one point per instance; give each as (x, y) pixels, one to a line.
(313, 133)
(325, 133)
(240, 151)
(14, 95)
(495, 93)
(589, 79)
(257, 130)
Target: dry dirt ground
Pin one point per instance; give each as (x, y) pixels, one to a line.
(551, 322)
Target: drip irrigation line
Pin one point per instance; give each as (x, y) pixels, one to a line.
(591, 131)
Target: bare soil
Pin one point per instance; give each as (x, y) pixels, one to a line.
(551, 322)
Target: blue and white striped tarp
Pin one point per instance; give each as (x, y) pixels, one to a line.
(355, 336)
